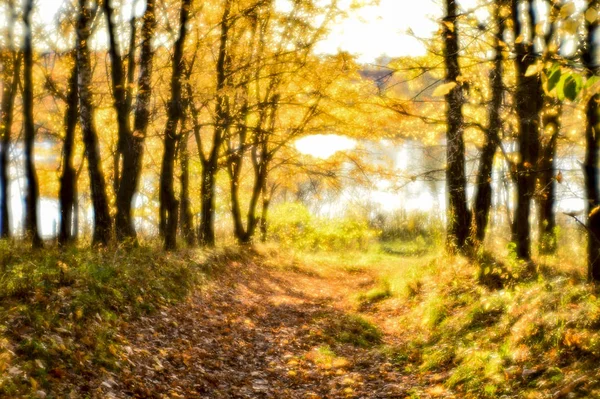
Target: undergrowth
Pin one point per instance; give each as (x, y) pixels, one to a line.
(534, 335)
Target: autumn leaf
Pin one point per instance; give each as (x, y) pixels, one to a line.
(534, 69)
(444, 89)
(591, 15)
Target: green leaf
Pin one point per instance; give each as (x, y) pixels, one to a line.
(560, 87)
(554, 78)
(572, 87)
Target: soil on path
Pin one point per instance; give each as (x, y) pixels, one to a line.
(256, 331)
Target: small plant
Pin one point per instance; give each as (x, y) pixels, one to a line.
(354, 330)
(376, 294)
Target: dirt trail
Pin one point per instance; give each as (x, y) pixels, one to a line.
(255, 332)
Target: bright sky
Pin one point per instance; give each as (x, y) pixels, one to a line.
(370, 32)
(384, 29)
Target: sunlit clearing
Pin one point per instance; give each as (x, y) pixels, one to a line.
(324, 145)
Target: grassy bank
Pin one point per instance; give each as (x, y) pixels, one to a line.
(61, 310)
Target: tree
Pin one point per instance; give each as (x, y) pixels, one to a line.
(528, 104)
(210, 162)
(592, 142)
(130, 143)
(11, 62)
(31, 198)
(459, 218)
(102, 219)
(68, 178)
(168, 202)
(483, 195)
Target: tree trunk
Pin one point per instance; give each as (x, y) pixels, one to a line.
(12, 64)
(546, 192)
(31, 199)
(168, 203)
(483, 195)
(102, 220)
(528, 103)
(264, 219)
(592, 141)
(458, 212)
(186, 217)
(68, 178)
(133, 144)
(206, 229)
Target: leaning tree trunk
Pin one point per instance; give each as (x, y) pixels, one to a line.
(168, 203)
(458, 212)
(68, 178)
(31, 199)
(12, 64)
(483, 195)
(592, 141)
(102, 220)
(528, 103)
(132, 147)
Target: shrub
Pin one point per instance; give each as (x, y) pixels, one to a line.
(293, 226)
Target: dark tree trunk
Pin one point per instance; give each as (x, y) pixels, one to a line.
(264, 219)
(234, 168)
(459, 219)
(483, 195)
(168, 203)
(31, 199)
(133, 144)
(206, 230)
(68, 178)
(590, 167)
(119, 90)
(235, 157)
(12, 64)
(528, 103)
(102, 220)
(186, 217)
(546, 192)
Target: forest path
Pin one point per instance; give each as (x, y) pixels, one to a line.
(260, 331)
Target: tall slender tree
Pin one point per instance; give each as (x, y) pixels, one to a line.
(549, 133)
(210, 163)
(102, 219)
(528, 103)
(11, 63)
(68, 178)
(130, 147)
(483, 195)
(169, 205)
(459, 219)
(592, 148)
(31, 198)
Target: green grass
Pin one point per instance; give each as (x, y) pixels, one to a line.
(354, 330)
